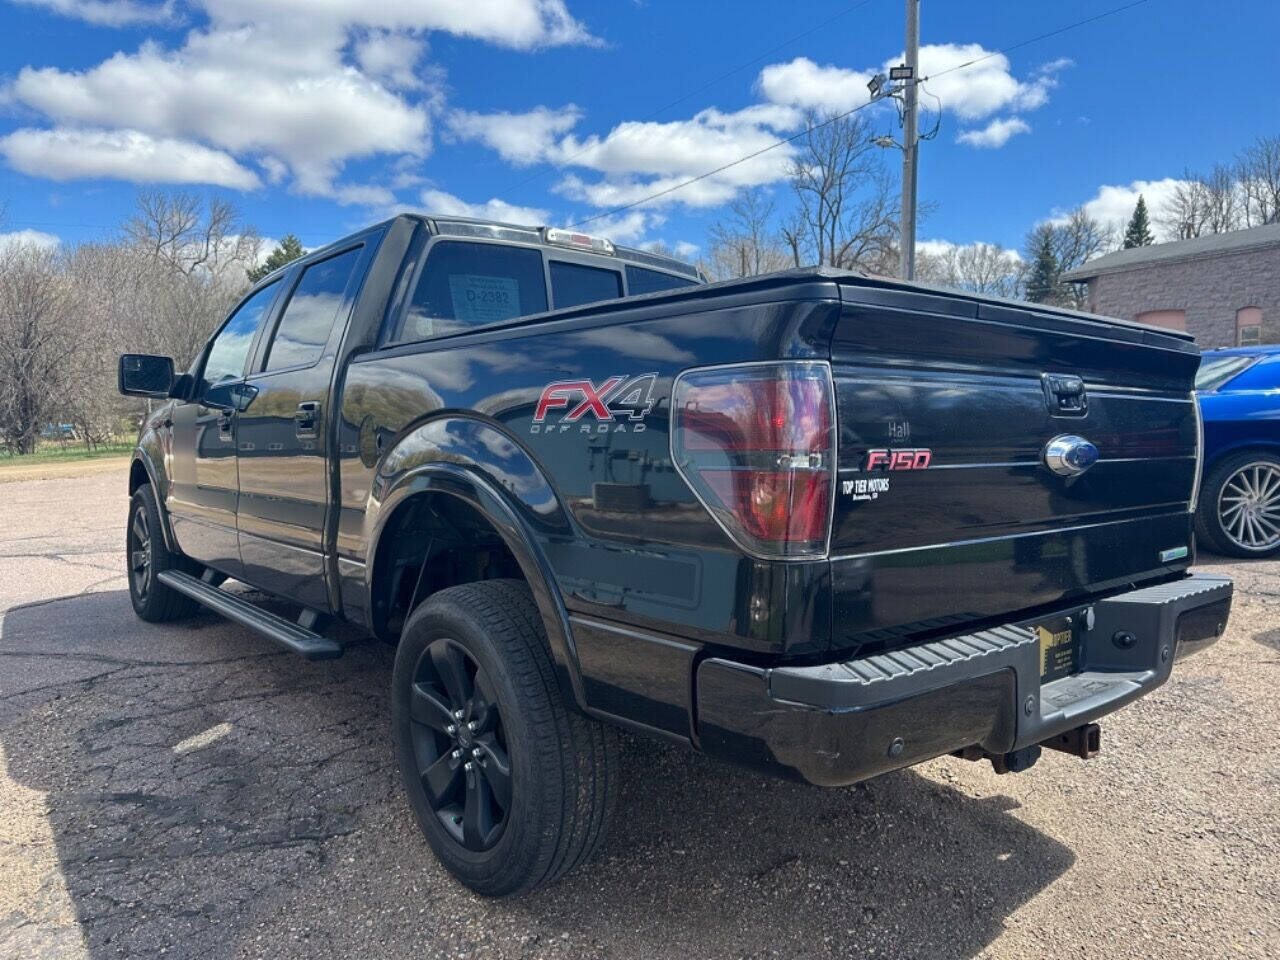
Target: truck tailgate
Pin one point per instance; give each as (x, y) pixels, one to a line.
(946, 511)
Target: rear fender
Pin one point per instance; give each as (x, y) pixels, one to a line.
(481, 465)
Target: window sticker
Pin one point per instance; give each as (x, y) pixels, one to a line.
(479, 299)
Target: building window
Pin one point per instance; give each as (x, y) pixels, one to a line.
(1169, 319)
(1248, 326)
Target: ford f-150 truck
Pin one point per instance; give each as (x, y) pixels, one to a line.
(819, 523)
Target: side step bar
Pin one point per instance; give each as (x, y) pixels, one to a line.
(284, 632)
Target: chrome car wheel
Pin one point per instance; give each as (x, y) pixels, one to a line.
(1249, 507)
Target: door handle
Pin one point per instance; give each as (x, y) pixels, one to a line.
(306, 416)
(225, 418)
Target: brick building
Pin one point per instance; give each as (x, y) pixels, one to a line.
(1223, 288)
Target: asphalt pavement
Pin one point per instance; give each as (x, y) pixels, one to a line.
(190, 791)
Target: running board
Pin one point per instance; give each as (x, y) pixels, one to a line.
(284, 632)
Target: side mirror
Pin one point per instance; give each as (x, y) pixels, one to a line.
(143, 375)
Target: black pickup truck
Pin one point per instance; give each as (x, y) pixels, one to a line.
(823, 524)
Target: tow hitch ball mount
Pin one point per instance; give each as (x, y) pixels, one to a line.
(1084, 742)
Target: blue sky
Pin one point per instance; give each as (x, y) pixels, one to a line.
(318, 116)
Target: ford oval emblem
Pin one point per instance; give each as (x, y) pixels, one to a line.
(1069, 456)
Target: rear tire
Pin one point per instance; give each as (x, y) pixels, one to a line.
(522, 789)
(1239, 510)
(147, 556)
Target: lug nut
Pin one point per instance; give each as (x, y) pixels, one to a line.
(457, 754)
(451, 729)
(457, 714)
(477, 753)
(468, 766)
(473, 726)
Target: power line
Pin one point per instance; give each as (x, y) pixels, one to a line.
(840, 116)
(697, 90)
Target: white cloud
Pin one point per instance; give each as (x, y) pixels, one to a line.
(302, 86)
(519, 138)
(942, 248)
(108, 13)
(972, 93)
(994, 134)
(522, 24)
(1113, 204)
(68, 154)
(213, 90)
(628, 228)
(640, 158)
(34, 238)
(686, 250)
(446, 205)
(391, 58)
(804, 84)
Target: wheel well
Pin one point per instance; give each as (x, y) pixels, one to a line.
(431, 542)
(137, 476)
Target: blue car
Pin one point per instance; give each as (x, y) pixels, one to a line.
(1239, 508)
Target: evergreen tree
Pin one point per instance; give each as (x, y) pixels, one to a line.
(1139, 233)
(288, 250)
(1042, 283)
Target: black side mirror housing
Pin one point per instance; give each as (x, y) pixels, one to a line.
(145, 375)
(183, 385)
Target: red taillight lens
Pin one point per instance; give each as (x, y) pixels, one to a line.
(756, 442)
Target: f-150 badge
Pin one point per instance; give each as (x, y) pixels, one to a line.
(618, 405)
(886, 459)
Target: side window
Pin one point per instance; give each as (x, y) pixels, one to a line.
(1260, 376)
(466, 284)
(640, 280)
(230, 348)
(573, 284)
(307, 320)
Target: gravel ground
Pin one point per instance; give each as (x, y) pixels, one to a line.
(190, 791)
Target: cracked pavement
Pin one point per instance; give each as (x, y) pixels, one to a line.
(188, 790)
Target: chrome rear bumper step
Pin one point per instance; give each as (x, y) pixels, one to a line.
(286, 633)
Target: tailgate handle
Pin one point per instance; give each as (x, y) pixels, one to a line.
(1065, 395)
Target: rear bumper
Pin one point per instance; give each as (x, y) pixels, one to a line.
(838, 723)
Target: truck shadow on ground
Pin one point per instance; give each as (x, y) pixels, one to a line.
(188, 787)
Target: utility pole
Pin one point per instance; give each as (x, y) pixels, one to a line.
(910, 143)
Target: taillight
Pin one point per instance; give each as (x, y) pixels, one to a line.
(756, 443)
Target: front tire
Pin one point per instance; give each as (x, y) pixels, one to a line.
(1239, 510)
(511, 787)
(147, 556)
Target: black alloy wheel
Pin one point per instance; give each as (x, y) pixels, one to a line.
(139, 550)
(459, 745)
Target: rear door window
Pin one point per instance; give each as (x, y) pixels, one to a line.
(307, 321)
(464, 285)
(640, 280)
(572, 284)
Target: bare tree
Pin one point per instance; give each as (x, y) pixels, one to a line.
(1258, 170)
(847, 208)
(1185, 212)
(980, 267)
(35, 342)
(1224, 200)
(744, 244)
(1054, 247)
(191, 235)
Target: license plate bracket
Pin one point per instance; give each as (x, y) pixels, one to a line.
(1059, 648)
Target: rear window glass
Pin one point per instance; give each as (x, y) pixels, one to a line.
(573, 284)
(1215, 371)
(465, 285)
(1263, 375)
(640, 280)
(304, 327)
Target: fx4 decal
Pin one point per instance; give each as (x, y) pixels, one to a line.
(618, 405)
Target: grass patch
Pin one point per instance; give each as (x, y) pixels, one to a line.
(70, 453)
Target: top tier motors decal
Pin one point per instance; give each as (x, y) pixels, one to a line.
(618, 405)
